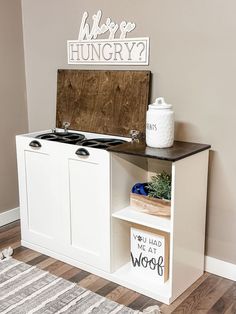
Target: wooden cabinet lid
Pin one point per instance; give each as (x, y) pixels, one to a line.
(103, 101)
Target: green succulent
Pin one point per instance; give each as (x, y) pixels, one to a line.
(160, 186)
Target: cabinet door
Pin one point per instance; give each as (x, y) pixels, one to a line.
(36, 171)
(89, 209)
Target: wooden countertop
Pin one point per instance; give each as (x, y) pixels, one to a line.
(178, 151)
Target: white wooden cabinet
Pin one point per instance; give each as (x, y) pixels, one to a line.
(64, 200)
(76, 209)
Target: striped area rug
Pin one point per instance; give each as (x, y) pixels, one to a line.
(27, 289)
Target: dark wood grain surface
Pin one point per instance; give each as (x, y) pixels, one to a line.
(178, 151)
(210, 294)
(107, 102)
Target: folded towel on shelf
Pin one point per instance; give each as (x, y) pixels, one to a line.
(140, 188)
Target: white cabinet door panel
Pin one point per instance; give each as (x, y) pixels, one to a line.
(39, 193)
(89, 211)
(37, 173)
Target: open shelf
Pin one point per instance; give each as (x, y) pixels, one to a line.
(151, 221)
(127, 276)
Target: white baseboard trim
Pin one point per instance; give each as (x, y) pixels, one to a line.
(220, 268)
(9, 216)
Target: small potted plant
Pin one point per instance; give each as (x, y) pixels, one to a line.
(160, 186)
(155, 196)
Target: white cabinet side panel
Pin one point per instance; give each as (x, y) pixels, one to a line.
(189, 179)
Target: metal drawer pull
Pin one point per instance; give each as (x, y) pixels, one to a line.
(82, 152)
(35, 144)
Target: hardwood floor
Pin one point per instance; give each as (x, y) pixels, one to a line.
(210, 294)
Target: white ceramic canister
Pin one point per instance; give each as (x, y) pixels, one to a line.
(160, 124)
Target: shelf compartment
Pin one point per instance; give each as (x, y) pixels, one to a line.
(126, 276)
(155, 222)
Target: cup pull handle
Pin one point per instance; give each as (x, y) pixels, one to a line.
(35, 144)
(82, 152)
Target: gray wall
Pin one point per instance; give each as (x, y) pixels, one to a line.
(193, 62)
(13, 113)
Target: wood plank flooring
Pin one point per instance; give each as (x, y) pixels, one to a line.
(210, 294)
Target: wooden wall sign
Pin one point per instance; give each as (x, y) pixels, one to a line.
(117, 51)
(150, 253)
